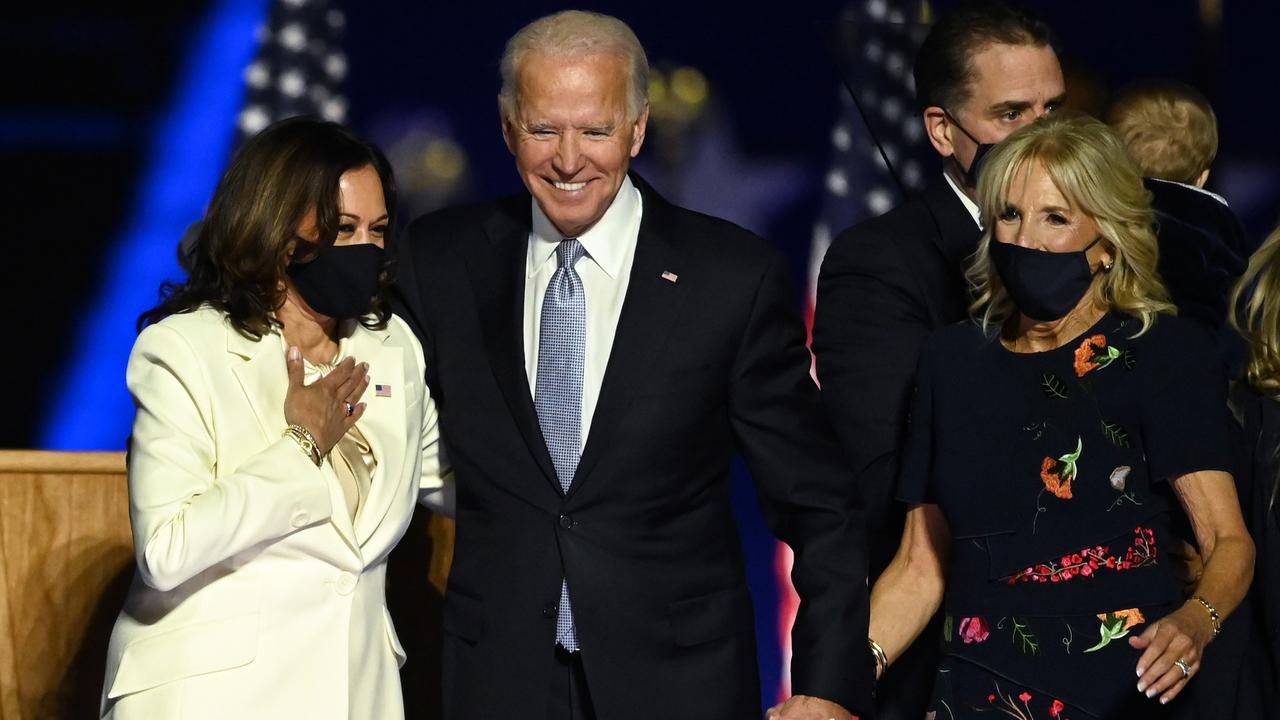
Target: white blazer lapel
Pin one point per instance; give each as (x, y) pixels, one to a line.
(264, 379)
(383, 424)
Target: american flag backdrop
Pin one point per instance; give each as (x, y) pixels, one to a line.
(874, 45)
(298, 69)
(299, 66)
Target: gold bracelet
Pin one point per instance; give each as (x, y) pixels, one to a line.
(306, 442)
(882, 660)
(1214, 617)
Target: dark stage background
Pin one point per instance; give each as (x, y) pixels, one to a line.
(117, 120)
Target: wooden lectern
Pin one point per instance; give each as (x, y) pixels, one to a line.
(66, 561)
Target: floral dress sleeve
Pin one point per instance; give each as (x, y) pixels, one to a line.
(1186, 423)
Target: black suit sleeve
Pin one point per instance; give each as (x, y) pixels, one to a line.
(868, 330)
(404, 297)
(806, 495)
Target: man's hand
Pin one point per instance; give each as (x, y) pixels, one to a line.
(804, 707)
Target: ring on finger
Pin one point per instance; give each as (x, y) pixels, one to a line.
(1184, 667)
(350, 408)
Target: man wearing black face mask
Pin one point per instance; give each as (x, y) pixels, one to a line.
(985, 70)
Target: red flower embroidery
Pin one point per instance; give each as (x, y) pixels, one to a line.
(1025, 696)
(1090, 560)
(1131, 617)
(1056, 708)
(1053, 480)
(991, 697)
(974, 630)
(1087, 353)
(1058, 474)
(1093, 353)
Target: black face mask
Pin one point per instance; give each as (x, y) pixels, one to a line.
(339, 282)
(971, 174)
(1044, 285)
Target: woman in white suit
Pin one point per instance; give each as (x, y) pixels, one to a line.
(282, 436)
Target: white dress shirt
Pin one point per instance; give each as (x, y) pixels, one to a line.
(605, 270)
(967, 201)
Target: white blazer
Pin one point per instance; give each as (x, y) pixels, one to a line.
(256, 596)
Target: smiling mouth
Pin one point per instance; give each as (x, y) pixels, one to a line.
(567, 186)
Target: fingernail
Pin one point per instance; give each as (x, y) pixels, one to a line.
(1140, 671)
(365, 366)
(1142, 687)
(294, 353)
(1164, 701)
(1151, 692)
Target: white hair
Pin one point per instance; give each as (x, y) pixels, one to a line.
(576, 33)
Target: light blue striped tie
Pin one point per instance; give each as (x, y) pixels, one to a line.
(557, 396)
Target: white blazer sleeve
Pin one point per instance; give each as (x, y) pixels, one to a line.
(436, 486)
(188, 513)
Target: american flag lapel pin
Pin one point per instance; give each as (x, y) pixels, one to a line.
(382, 391)
(669, 276)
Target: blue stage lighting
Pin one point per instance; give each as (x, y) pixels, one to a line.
(191, 142)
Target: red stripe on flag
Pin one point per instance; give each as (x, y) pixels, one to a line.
(788, 604)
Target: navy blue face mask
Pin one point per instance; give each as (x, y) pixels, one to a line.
(1044, 285)
(341, 281)
(971, 173)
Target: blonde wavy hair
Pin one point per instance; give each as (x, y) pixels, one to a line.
(1256, 314)
(1089, 166)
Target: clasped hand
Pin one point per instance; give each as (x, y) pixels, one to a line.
(321, 407)
(805, 707)
(1181, 635)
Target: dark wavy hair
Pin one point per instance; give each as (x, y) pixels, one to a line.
(943, 68)
(241, 252)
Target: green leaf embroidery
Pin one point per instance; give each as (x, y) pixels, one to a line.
(1106, 358)
(1026, 640)
(1069, 461)
(947, 624)
(1130, 359)
(1115, 434)
(1112, 628)
(1052, 386)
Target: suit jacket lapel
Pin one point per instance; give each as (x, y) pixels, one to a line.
(497, 270)
(264, 379)
(383, 425)
(958, 234)
(648, 313)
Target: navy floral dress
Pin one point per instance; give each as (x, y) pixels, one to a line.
(1050, 469)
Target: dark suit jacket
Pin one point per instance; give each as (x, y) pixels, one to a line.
(885, 286)
(1242, 666)
(645, 536)
(1203, 251)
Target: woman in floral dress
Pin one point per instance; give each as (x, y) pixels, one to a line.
(1051, 440)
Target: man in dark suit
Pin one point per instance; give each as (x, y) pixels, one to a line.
(984, 70)
(597, 354)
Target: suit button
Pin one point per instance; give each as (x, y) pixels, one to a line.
(345, 584)
(566, 522)
(300, 519)
(550, 611)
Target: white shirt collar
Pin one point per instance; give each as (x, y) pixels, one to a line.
(602, 241)
(968, 202)
(1200, 190)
